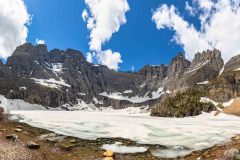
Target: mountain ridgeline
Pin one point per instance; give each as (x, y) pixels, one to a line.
(63, 78)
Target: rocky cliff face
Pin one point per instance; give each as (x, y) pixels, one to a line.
(183, 74)
(63, 78)
(232, 64)
(205, 66)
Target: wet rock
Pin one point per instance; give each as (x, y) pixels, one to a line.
(12, 137)
(32, 145)
(67, 146)
(108, 153)
(52, 137)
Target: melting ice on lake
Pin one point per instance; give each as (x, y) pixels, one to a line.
(181, 136)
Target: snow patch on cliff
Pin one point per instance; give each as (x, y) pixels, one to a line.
(51, 83)
(136, 99)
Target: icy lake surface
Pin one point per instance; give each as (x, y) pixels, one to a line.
(181, 136)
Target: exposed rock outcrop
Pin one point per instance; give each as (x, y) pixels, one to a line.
(232, 64)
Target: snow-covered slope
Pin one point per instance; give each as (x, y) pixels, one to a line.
(18, 104)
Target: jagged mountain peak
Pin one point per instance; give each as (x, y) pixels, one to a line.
(178, 65)
(59, 77)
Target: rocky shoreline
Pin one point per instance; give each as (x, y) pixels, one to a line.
(57, 147)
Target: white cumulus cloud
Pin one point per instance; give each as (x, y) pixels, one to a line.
(110, 59)
(89, 57)
(205, 4)
(104, 18)
(14, 19)
(84, 15)
(40, 41)
(190, 9)
(220, 27)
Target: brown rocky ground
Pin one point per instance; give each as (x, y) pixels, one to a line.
(52, 148)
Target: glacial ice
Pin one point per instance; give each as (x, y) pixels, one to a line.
(181, 136)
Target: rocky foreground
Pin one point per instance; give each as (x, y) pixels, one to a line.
(20, 141)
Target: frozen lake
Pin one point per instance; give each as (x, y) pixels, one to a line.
(181, 136)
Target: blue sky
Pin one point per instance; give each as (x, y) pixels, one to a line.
(59, 23)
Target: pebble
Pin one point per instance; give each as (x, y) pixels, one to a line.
(32, 145)
(2, 130)
(12, 137)
(108, 153)
(18, 130)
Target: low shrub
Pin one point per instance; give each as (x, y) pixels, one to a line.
(182, 105)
